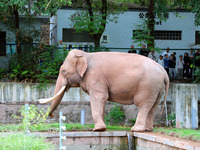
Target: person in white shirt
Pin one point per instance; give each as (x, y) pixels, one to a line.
(166, 52)
(180, 64)
(160, 61)
(153, 55)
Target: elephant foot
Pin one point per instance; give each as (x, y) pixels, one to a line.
(99, 127)
(138, 129)
(149, 129)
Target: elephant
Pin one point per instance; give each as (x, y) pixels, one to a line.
(113, 76)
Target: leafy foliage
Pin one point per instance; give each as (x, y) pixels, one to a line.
(172, 119)
(141, 36)
(33, 116)
(93, 23)
(2, 73)
(37, 64)
(17, 73)
(197, 74)
(116, 116)
(133, 120)
(94, 16)
(50, 62)
(11, 9)
(24, 67)
(100, 49)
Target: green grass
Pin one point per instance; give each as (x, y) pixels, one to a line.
(190, 134)
(55, 127)
(182, 133)
(24, 142)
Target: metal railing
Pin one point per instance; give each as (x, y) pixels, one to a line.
(11, 49)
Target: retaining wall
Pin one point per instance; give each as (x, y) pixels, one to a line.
(120, 140)
(27, 92)
(14, 95)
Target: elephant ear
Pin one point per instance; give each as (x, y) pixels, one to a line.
(81, 65)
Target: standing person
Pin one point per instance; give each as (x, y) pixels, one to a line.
(166, 63)
(172, 65)
(144, 51)
(186, 66)
(166, 52)
(191, 55)
(153, 55)
(174, 53)
(132, 50)
(180, 67)
(160, 61)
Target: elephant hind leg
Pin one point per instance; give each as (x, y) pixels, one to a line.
(145, 102)
(140, 125)
(150, 117)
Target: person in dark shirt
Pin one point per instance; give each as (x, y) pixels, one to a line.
(172, 64)
(144, 51)
(132, 50)
(186, 66)
(166, 63)
(174, 53)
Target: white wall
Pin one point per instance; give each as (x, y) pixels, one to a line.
(120, 33)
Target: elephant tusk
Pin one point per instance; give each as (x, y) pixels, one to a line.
(53, 98)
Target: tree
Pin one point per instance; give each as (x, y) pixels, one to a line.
(140, 35)
(94, 15)
(11, 9)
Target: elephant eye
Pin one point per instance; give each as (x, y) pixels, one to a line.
(63, 71)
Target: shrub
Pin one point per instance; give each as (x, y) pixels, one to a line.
(116, 116)
(172, 119)
(24, 142)
(2, 73)
(132, 121)
(50, 61)
(197, 72)
(33, 117)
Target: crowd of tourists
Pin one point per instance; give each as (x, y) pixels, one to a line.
(176, 68)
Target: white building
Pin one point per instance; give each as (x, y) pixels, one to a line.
(176, 32)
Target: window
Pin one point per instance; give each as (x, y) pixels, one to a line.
(70, 35)
(2, 43)
(163, 35)
(168, 35)
(197, 37)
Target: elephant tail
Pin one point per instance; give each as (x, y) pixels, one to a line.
(166, 91)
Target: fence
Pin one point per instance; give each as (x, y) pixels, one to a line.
(11, 49)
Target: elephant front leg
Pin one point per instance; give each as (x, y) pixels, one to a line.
(97, 101)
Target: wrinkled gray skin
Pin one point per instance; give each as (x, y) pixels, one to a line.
(117, 77)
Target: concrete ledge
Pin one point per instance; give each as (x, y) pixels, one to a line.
(93, 134)
(169, 141)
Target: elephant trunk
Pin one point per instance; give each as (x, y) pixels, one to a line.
(57, 101)
(58, 95)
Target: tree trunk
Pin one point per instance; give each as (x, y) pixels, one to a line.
(16, 20)
(96, 38)
(151, 23)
